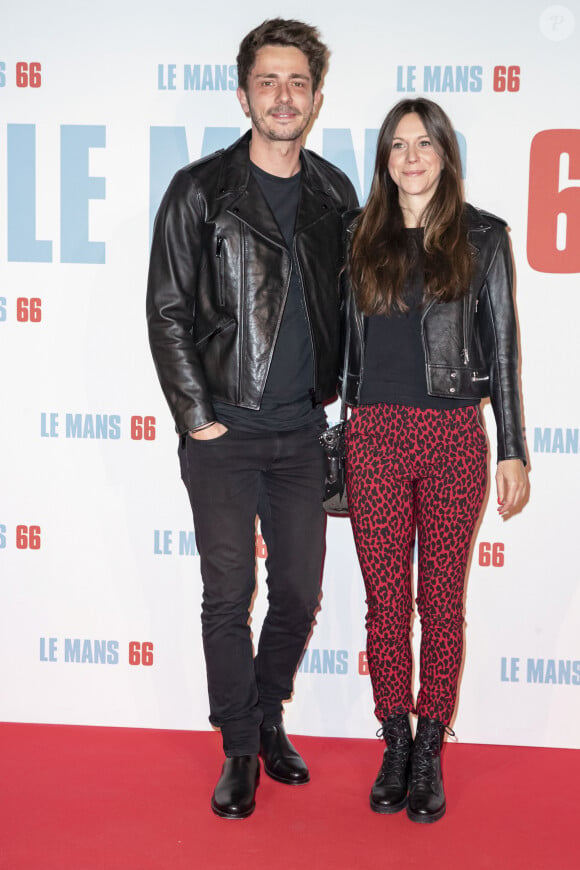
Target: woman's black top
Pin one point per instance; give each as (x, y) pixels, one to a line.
(394, 367)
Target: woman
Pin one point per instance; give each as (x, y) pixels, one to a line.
(432, 331)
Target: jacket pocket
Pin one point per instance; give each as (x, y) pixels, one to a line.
(457, 382)
(222, 327)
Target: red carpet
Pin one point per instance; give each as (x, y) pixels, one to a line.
(123, 799)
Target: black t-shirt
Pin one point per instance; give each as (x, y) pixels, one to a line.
(286, 401)
(394, 368)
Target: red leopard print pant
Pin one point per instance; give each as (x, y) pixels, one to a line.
(411, 470)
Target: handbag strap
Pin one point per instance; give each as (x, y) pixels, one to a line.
(343, 405)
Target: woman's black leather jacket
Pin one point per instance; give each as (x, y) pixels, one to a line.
(470, 345)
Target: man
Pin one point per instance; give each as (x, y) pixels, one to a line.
(243, 321)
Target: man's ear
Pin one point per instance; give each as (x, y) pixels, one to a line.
(243, 101)
(317, 100)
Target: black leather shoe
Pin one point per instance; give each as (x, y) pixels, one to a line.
(235, 792)
(389, 792)
(426, 802)
(281, 761)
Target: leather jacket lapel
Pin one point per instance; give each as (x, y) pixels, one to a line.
(315, 203)
(251, 207)
(237, 184)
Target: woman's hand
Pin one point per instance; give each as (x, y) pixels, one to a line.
(512, 485)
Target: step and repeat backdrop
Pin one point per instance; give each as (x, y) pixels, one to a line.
(100, 587)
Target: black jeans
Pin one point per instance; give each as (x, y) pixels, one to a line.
(230, 480)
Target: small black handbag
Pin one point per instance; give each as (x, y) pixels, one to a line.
(333, 443)
(332, 440)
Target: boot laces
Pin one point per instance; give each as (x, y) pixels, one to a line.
(397, 735)
(426, 750)
(396, 732)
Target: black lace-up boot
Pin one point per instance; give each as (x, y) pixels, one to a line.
(389, 792)
(426, 796)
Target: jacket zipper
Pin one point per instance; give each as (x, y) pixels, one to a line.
(241, 322)
(465, 351)
(218, 253)
(424, 343)
(359, 322)
(307, 313)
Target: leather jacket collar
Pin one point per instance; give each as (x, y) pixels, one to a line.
(236, 183)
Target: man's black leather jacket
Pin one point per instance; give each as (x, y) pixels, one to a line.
(470, 345)
(218, 278)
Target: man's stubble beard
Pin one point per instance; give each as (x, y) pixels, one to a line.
(276, 135)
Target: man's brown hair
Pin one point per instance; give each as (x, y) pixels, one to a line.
(285, 32)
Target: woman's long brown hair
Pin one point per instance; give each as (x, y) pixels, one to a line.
(380, 258)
